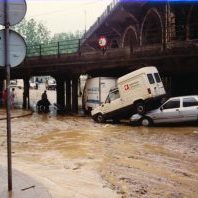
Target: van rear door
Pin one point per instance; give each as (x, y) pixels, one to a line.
(156, 84)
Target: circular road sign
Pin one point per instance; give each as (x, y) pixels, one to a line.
(102, 41)
(17, 48)
(16, 10)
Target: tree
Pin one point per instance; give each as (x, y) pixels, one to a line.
(68, 42)
(33, 32)
(66, 36)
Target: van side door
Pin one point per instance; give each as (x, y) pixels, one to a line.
(113, 102)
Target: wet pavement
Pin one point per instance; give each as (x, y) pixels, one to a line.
(23, 186)
(76, 157)
(15, 113)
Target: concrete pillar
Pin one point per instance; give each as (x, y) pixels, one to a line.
(60, 91)
(75, 95)
(1, 92)
(1, 85)
(68, 95)
(26, 94)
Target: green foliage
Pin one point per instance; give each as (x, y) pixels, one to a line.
(33, 32)
(66, 36)
(39, 42)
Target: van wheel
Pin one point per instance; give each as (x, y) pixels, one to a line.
(140, 108)
(145, 121)
(100, 118)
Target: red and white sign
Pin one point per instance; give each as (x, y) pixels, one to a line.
(126, 87)
(102, 41)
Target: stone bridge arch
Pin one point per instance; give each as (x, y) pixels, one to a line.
(192, 22)
(152, 28)
(130, 38)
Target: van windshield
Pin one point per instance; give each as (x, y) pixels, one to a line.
(157, 77)
(150, 78)
(113, 95)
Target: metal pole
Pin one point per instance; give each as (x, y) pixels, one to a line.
(7, 66)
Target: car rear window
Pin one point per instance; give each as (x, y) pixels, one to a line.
(157, 77)
(150, 78)
(189, 102)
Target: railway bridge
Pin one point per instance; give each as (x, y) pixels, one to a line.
(138, 33)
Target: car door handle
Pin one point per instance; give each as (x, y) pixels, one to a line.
(177, 109)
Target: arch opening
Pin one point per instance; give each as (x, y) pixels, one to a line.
(193, 25)
(130, 38)
(152, 29)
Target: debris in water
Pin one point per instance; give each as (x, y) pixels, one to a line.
(23, 189)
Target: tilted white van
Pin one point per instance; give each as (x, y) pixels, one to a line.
(136, 92)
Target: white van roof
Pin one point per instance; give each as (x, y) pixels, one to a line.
(149, 69)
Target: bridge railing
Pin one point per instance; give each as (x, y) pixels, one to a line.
(54, 48)
(74, 47)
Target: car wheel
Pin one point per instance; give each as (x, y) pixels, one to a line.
(100, 118)
(145, 121)
(140, 108)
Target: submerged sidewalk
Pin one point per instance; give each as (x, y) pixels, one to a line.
(23, 186)
(15, 113)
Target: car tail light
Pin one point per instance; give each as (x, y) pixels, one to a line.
(149, 90)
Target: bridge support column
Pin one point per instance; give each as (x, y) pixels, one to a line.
(75, 95)
(68, 95)
(60, 95)
(1, 92)
(26, 94)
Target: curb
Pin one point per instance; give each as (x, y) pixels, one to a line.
(24, 186)
(19, 116)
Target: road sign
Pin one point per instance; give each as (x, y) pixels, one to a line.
(16, 10)
(17, 48)
(102, 41)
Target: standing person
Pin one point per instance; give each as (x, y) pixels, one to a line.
(44, 95)
(12, 97)
(43, 104)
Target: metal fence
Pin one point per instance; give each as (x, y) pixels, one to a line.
(54, 48)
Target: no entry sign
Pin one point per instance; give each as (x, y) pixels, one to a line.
(102, 41)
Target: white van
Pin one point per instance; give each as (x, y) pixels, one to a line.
(96, 91)
(135, 93)
(17, 83)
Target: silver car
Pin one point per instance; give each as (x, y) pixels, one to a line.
(177, 109)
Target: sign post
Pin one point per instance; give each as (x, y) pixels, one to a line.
(7, 66)
(11, 13)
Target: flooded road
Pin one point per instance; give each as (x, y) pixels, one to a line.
(75, 157)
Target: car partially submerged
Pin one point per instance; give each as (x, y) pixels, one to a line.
(174, 110)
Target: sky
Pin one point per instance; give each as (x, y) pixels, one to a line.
(66, 15)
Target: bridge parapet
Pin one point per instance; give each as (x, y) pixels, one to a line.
(63, 50)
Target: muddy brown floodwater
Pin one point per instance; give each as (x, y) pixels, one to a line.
(75, 157)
